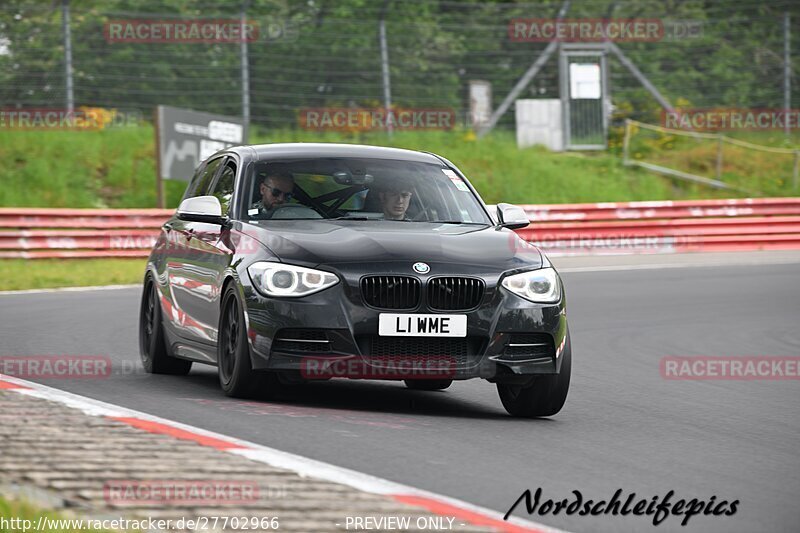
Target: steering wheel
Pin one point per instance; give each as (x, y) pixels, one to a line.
(289, 211)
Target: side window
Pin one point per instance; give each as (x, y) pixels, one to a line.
(223, 190)
(202, 182)
(193, 183)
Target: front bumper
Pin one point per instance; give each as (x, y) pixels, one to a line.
(508, 337)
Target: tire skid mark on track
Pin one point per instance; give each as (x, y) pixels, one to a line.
(348, 416)
(304, 466)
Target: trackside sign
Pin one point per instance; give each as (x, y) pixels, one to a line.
(186, 138)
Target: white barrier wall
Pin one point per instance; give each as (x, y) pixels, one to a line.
(540, 122)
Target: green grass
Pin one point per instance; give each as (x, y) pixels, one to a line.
(102, 168)
(115, 168)
(17, 274)
(13, 509)
(763, 173)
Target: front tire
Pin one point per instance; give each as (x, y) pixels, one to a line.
(152, 344)
(544, 396)
(236, 375)
(428, 384)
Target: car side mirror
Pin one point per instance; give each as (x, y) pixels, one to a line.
(202, 209)
(511, 216)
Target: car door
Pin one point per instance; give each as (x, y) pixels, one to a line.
(184, 260)
(210, 253)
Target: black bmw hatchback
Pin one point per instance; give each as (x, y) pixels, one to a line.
(289, 263)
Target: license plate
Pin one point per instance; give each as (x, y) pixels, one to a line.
(401, 325)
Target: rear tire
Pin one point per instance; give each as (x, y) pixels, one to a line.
(236, 375)
(428, 384)
(152, 344)
(544, 396)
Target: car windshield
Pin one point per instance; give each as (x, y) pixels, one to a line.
(356, 190)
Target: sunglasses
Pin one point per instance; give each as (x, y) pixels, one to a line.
(276, 192)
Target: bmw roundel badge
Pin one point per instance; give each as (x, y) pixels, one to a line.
(421, 268)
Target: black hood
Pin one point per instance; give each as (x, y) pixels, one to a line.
(327, 242)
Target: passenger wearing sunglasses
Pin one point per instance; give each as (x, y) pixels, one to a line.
(276, 190)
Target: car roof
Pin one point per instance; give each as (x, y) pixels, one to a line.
(281, 150)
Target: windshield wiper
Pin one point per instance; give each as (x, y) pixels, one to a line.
(457, 222)
(409, 220)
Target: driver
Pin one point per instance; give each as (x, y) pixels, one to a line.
(395, 199)
(276, 190)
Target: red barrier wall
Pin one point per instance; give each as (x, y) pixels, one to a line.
(559, 229)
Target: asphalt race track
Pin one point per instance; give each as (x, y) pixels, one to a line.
(623, 426)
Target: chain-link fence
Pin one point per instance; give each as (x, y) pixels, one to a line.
(317, 53)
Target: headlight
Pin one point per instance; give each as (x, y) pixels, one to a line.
(277, 279)
(540, 286)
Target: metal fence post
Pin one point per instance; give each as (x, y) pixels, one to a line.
(626, 141)
(70, 97)
(720, 141)
(787, 72)
(245, 66)
(796, 168)
(387, 88)
(160, 196)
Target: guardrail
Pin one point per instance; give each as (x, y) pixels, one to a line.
(37, 233)
(665, 227)
(559, 229)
